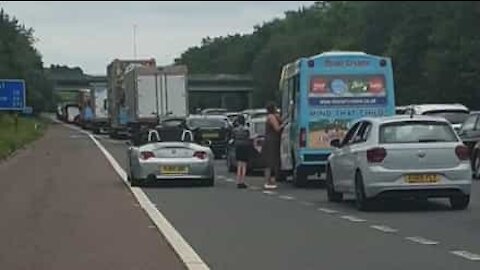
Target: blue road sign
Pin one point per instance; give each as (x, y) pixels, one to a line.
(12, 95)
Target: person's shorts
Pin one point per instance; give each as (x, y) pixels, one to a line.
(242, 153)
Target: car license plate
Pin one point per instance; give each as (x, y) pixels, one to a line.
(210, 135)
(174, 170)
(422, 178)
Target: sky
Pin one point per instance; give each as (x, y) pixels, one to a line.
(91, 34)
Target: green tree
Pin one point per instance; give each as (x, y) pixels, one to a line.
(20, 60)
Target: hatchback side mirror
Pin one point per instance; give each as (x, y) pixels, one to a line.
(336, 143)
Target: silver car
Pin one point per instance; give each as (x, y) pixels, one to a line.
(156, 161)
(400, 156)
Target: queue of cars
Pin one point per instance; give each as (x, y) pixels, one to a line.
(182, 148)
(426, 151)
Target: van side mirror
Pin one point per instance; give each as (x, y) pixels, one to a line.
(336, 143)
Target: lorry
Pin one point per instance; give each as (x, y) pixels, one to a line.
(116, 94)
(100, 109)
(154, 93)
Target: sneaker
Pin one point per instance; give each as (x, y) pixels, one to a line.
(241, 185)
(268, 186)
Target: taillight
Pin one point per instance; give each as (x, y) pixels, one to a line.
(146, 155)
(462, 152)
(200, 155)
(376, 155)
(303, 137)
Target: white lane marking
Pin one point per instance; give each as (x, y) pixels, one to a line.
(254, 188)
(268, 192)
(353, 219)
(230, 180)
(466, 254)
(286, 197)
(421, 240)
(307, 203)
(186, 253)
(327, 211)
(221, 177)
(384, 228)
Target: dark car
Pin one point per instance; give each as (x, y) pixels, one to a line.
(470, 135)
(212, 130)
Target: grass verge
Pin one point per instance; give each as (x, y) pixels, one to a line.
(11, 138)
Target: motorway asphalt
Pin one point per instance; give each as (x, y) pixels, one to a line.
(294, 228)
(63, 207)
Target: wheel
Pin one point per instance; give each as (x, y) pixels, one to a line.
(332, 195)
(361, 201)
(459, 202)
(135, 182)
(282, 176)
(209, 182)
(476, 166)
(300, 178)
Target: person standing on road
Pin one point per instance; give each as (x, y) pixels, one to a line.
(271, 149)
(241, 140)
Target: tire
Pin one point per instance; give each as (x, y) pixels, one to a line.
(300, 178)
(476, 166)
(459, 202)
(332, 195)
(209, 182)
(135, 182)
(282, 177)
(361, 201)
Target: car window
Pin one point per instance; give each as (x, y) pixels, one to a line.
(469, 123)
(477, 126)
(348, 138)
(452, 116)
(172, 123)
(417, 132)
(207, 123)
(363, 133)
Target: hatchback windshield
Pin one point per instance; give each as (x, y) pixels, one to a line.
(416, 132)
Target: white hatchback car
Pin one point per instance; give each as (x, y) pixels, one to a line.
(400, 156)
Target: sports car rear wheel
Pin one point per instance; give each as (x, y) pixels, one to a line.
(209, 182)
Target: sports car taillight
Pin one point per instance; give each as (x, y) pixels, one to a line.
(147, 155)
(200, 155)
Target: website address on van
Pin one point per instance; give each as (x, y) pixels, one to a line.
(318, 101)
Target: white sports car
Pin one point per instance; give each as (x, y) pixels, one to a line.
(159, 161)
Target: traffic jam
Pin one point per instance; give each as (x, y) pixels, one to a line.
(335, 121)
